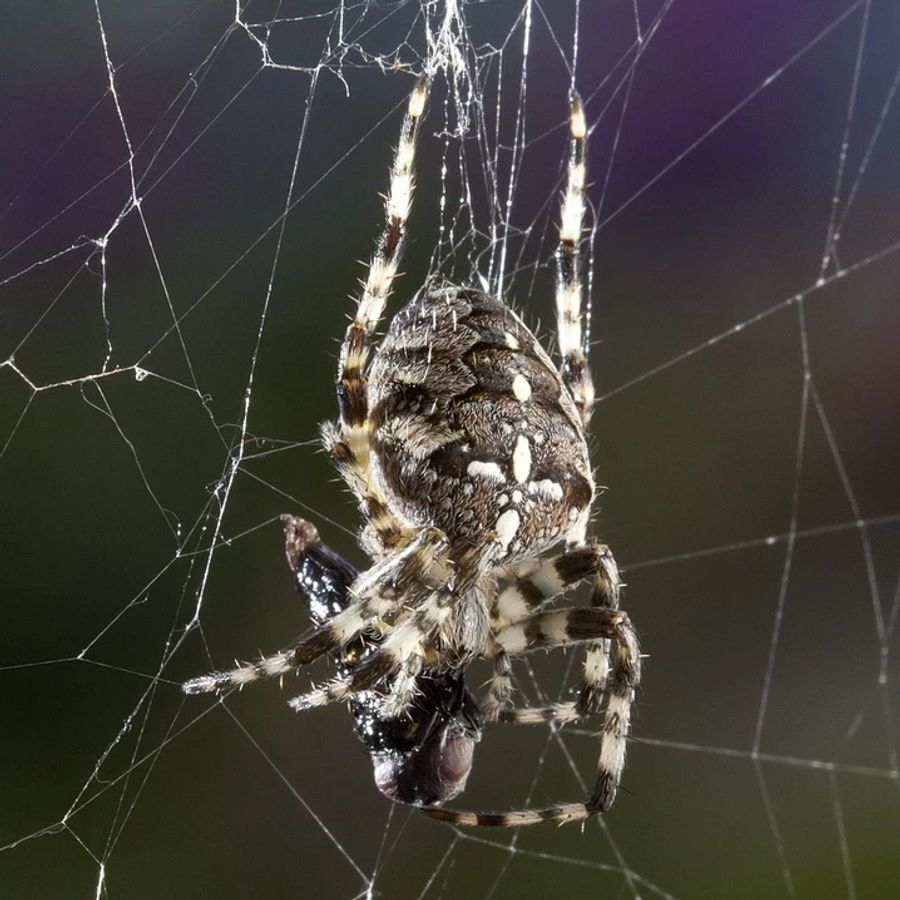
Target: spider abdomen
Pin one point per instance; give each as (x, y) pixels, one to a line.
(473, 431)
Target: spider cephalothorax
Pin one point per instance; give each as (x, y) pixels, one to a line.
(465, 447)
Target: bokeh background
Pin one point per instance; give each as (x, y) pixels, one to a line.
(140, 482)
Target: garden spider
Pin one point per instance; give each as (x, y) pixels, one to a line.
(465, 448)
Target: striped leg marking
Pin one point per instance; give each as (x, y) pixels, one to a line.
(401, 656)
(536, 582)
(498, 702)
(562, 628)
(379, 666)
(624, 678)
(348, 444)
(540, 580)
(372, 600)
(605, 595)
(309, 648)
(574, 370)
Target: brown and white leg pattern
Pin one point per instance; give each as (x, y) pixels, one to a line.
(348, 443)
(425, 627)
(534, 586)
(574, 370)
(401, 657)
(498, 701)
(535, 583)
(605, 595)
(556, 628)
(559, 628)
(374, 594)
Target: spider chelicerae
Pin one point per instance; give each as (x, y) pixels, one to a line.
(465, 447)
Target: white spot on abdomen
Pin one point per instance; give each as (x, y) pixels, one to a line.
(521, 459)
(521, 388)
(507, 526)
(547, 488)
(489, 470)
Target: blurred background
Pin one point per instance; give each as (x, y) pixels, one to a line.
(164, 365)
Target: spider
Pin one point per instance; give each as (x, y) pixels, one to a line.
(465, 448)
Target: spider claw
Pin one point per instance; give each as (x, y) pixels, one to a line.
(206, 684)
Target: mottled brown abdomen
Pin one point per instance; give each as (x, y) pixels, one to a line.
(473, 430)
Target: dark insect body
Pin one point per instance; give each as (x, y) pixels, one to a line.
(423, 757)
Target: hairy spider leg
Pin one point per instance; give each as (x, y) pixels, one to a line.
(424, 757)
(373, 594)
(612, 667)
(348, 443)
(605, 595)
(534, 583)
(576, 373)
(560, 628)
(417, 632)
(400, 656)
(553, 628)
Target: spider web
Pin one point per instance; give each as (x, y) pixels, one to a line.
(185, 189)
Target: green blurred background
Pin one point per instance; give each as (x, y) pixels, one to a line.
(714, 196)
